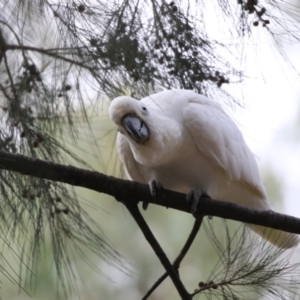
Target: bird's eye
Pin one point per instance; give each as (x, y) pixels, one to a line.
(144, 108)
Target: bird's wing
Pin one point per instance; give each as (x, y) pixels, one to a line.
(220, 140)
(130, 165)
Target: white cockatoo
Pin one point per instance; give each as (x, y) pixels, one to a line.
(187, 142)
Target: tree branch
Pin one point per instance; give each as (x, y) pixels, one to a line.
(179, 258)
(127, 191)
(136, 214)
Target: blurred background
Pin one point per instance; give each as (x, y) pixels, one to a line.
(268, 114)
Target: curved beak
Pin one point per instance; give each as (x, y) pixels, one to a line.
(136, 128)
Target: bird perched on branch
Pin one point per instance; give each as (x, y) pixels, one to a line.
(187, 142)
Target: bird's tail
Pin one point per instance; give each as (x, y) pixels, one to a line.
(281, 239)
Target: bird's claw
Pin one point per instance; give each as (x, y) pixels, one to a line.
(193, 198)
(155, 188)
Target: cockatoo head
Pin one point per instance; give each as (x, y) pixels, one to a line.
(130, 115)
(154, 135)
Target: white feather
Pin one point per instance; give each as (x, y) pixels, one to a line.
(193, 144)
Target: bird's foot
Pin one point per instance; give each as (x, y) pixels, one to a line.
(193, 198)
(155, 188)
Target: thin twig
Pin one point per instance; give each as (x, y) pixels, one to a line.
(180, 257)
(136, 214)
(46, 52)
